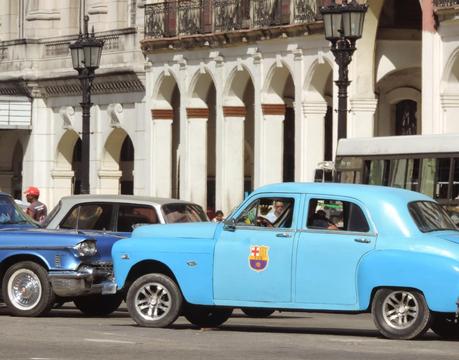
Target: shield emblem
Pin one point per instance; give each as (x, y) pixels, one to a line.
(258, 257)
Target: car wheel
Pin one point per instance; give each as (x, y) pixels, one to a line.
(98, 305)
(257, 313)
(445, 327)
(206, 316)
(26, 290)
(400, 314)
(154, 300)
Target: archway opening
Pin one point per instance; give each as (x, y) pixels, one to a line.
(76, 167)
(16, 180)
(127, 167)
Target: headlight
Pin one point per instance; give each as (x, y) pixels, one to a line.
(86, 248)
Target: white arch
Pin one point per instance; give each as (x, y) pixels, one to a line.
(233, 95)
(450, 76)
(315, 84)
(276, 80)
(112, 149)
(199, 89)
(64, 150)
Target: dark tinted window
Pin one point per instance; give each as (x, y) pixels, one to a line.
(430, 216)
(336, 215)
(129, 215)
(89, 217)
(179, 213)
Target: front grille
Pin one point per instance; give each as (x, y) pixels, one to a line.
(105, 266)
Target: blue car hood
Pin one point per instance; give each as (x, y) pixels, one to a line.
(198, 230)
(63, 238)
(452, 236)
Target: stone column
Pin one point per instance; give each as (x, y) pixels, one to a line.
(362, 119)
(312, 138)
(233, 157)
(450, 107)
(161, 152)
(432, 71)
(109, 181)
(62, 180)
(39, 150)
(273, 143)
(197, 154)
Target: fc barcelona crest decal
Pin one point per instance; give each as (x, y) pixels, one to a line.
(258, 257)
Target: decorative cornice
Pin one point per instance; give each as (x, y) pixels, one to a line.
(13, 89)
(162, 114)
(315, 108)
(449, 101)
(197, 113)
(234, 111)
(126, 83)
(45, 15)
(363, 105)
(273, 109)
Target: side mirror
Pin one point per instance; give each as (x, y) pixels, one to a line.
(229, 225)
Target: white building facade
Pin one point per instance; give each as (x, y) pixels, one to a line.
(207, 100)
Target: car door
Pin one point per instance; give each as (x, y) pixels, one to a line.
(253, 260)
(336, 232)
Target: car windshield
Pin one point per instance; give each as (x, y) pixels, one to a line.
(180, 213)
(430, 216)
(10, 213)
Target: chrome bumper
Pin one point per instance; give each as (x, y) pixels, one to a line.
(86, 280)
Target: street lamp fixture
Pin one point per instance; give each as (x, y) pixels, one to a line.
(86, 53)
(343, 24)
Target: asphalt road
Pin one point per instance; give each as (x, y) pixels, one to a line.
(67, 335)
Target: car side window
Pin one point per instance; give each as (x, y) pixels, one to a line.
(268, 212)
(336, 215)
(89, 217)
(129, 215)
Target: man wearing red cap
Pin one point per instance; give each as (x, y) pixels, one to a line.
(36, 210)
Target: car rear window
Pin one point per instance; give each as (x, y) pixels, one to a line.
(179, 213)
(430, 216)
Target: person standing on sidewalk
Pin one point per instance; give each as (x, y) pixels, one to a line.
(36, 210)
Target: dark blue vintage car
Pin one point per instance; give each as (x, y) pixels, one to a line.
(41, 267)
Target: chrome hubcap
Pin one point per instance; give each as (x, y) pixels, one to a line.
(400, 309)
(24, 289)
(153, 301)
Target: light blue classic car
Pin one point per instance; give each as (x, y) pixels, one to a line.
(312, 247)
(41, 267)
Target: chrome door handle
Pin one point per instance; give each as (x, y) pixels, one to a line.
(362, 240)
(283, 235)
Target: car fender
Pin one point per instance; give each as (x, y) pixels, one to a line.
(191, 263)
(436, 276)
(20, 255)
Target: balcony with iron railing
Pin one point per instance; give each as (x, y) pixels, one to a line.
(445, 3)
(207, 20)
(446, 9)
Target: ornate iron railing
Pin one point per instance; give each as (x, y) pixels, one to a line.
(230, 15)
(306, 11)
(266, 13)
(445, 3)
(188, 17)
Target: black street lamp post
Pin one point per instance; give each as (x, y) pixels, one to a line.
(343, 25)
(86, 53)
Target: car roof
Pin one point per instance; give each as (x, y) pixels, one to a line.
(75, 199)
(368, 193)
